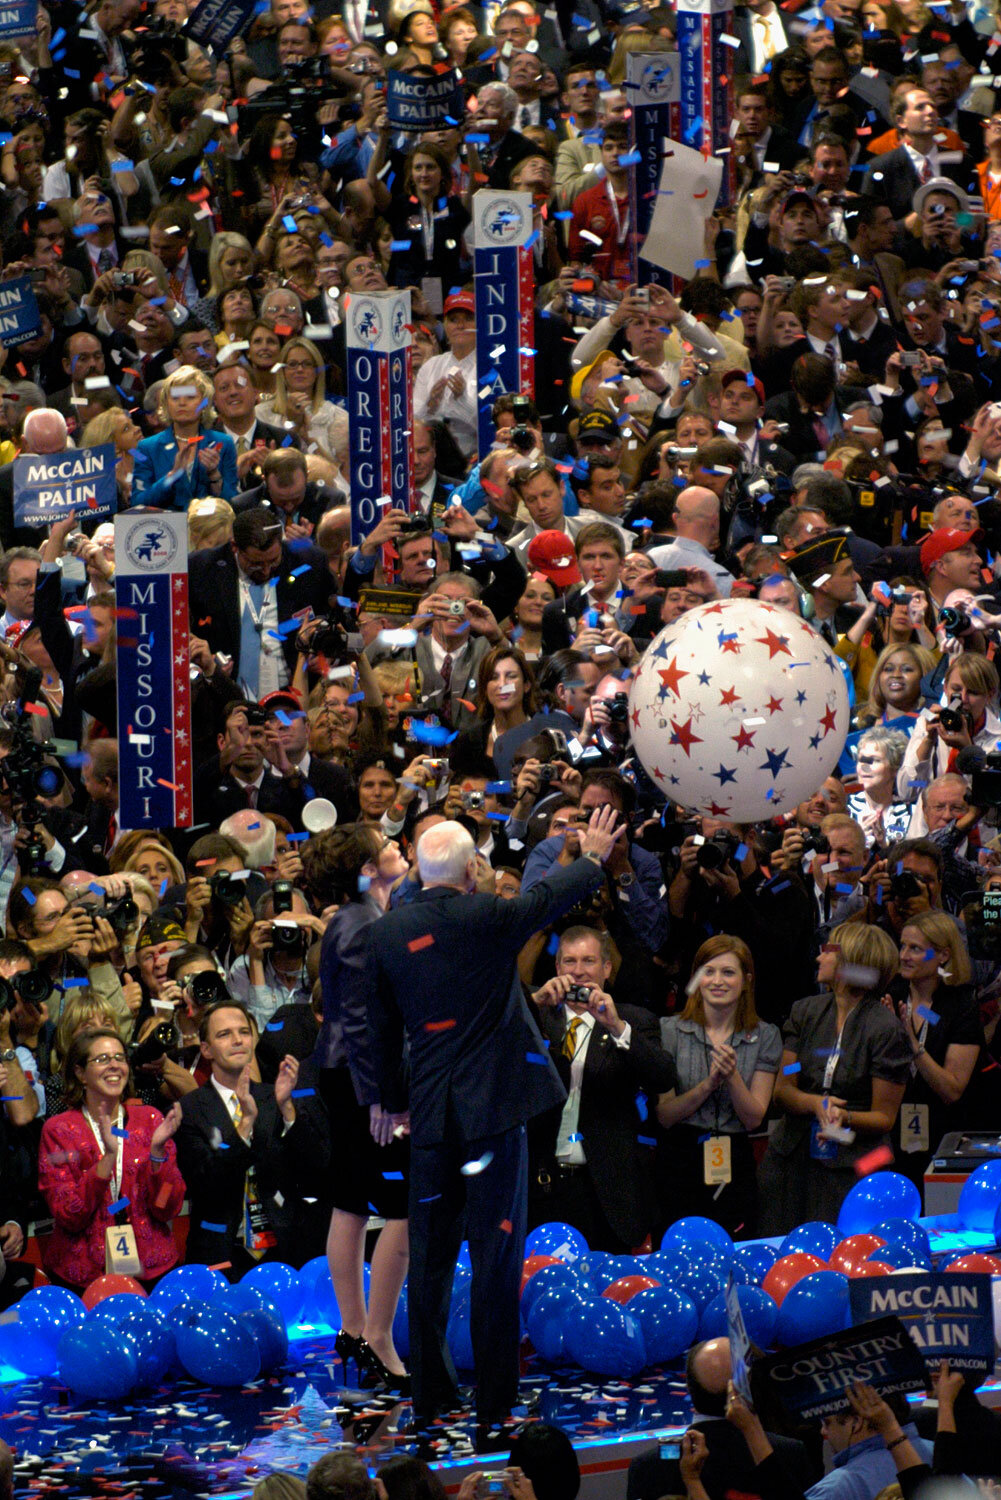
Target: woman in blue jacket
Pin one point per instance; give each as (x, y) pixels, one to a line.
(189, 459)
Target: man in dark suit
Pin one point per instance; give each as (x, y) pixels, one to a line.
(729, 1468)
(896, 176)
(235, 399)
(244, 1198)
(322, 778)
(443, 977)
(587, 1168)
(298, 501)
(239, 776)
(505, 147)
(224, 580)
(760, 27)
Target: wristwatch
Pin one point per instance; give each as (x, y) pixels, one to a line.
(9, 1056)
(625, 880)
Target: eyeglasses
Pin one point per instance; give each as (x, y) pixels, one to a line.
(105, 1059)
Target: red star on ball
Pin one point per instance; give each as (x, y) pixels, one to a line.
(744, 739)
(684, 736)
(731, 644)
(827, 723)
(671, 676)
(775, 643)
(728, 695)
(720, 812)
(714, 609)
(774, 705)
(636, 718)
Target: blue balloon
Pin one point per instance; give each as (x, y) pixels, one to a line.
(98, 1362)
(760, 1316)
(401, 1325)
(459, 1334)
(668, 1320)
(309, 1270)
(243, 1297)
(217, 1348)
(546, 1319)
(696, 1270)
(905, 1232)
(815, 1238)
(605, 1339)
(981, 1197)
(611, 1268)
(188, 1284)
(114, 1308)
(50, 1310)
(24, 1350)
(590, 1269)
(815, 1306)
(881, 1195)
(752, 1262)
(191, 1309)
(281, 1285)
(271, 1335)
(561, 1240)
(156, 1347)
(900, 1257)
(544, 1278)
(321, 1299)
(696, 1227)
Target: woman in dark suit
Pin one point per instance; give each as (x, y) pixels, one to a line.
(189, 458)
(357, 867)
(845, 1065)
(505, 699)
(428, 222)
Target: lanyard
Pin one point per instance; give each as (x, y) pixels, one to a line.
(257, 616)
(923, 1033)
(427, 230)
(116, 1176)
(832, 1063)
(621, 230)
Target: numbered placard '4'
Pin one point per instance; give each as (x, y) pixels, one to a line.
(121, 1256)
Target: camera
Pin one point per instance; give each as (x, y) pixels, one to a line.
(954, 718)
(472, 800)
(456, 607)
(74, 542)
(159, 1042)
(816, 843)
(329, 637)
(577, 994)
(910, 359)
(206, 988)
(256, 717)
(905, 886)
(717, 851)
(122, 914)
(955, 622)
(225, 889)
(522, 438)
(285, 936)
(547, 775)
(618, 708)
(985, 789)
(120, 280)
(438, 768)
(32, 987)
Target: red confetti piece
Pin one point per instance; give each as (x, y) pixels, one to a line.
(439, 1025)
(881, 1157)
(416, 944)
(170, 785)
(163, 1196)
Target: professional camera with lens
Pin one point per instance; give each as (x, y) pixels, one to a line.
(206, 988)
(718, 850)
(815, 843)
(985, 786)
(31, 987)
(122, 914)
(577, 994)
(225, 889)
(330, 638)
(161, 1040)
(521, 437)
(905, 886)
(618, 708)
(955, 621)
(955, 718)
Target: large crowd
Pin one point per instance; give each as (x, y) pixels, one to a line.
(739, 1014)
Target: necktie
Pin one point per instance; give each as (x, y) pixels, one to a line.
(524, 117)
(250, 640)
(446, 696)
(830, 352)
(763, 36)
(820, 432)
(251, 1198)
(926, 173)
(242, 444)
(105, 260)
(250, 793)
(570, 1038)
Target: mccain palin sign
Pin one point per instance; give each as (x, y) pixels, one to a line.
(51, 486)
(424, 103)
(949, 1316)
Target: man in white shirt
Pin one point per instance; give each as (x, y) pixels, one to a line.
(696, 525)
(445, 388)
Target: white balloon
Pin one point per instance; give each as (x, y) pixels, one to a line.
(740, 709)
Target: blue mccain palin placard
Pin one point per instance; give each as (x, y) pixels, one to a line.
(19, 317)
(50, 486)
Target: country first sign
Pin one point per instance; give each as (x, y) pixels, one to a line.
(50, 486)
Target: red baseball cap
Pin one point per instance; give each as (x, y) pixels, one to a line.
(280, 697)
(552, 554)
(946, 539)
(460, 302)
(733, 376)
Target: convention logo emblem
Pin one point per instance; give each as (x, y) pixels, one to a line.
(399, 325)
(504, 221)
(657, 82)
(365, 321)
(150, 547)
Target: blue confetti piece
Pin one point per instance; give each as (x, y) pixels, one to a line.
(432, 734)
(212, 1228)
(117, 1130)
(290, 224)
(642, 1108)
(926, 1015)
(792, 1068)
(119, 1207)
(392, 1176)
(646, 1140)
(536, 1057)
(302, 1093)
(275, 1026)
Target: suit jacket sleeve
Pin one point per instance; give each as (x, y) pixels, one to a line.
(211, 1174)
(353, 998)
(555, 628)
(227, 468)
(387, 1036)
(653, 1067)
(146, 488)
(57, 638)
(562, 888)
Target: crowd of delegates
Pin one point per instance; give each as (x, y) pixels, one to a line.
(810, 421)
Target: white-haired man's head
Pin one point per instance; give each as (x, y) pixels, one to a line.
(446, 855)
(254, 833)
(44, 431)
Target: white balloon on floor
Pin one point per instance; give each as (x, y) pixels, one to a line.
(740, 709)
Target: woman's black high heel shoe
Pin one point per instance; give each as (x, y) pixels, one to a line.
(348, 1346)
(370, 1364)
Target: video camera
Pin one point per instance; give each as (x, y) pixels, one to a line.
(332, 639)
(305, 86)
(285, 937)
(156, 51)
(717, 851)
(25, 771)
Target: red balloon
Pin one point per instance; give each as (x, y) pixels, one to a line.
(110, 1286)
(535, 1263)
(628, 1286)
(785, 1273)
(854, 1251)
(861, 1269)
(976, 1261)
